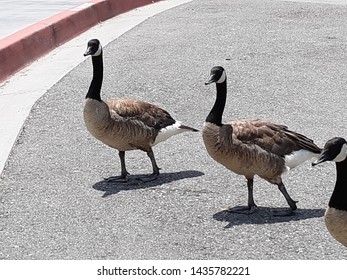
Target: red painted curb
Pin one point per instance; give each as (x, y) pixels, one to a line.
(27, 45)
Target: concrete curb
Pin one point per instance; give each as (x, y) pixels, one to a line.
(27, 45)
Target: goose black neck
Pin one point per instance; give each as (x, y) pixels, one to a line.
(98, 72)
(338, 198)
(216, 114)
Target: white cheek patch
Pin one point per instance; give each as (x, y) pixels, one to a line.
(98, 52)
(342, 155)
(222, 78)
(166, 132)
(298, 157)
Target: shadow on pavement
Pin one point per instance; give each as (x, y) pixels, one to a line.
(264, 215)
(114, 187)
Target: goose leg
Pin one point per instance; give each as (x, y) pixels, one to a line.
(155, 167)
(290, 201)
(251, 207)
(124, 173)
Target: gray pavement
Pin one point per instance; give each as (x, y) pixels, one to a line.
(15, 15)
(285, 62)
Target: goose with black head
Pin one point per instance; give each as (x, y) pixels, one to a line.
(253, 147)
(336, 213)
(125, 124)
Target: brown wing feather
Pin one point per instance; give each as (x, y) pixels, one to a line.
(149, 114)
(271, 137)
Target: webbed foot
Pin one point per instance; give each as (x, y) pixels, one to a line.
(117, 179)
(246, 210)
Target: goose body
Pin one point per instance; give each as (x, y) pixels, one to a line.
(253, 147)
(125, 124)
(335, 217)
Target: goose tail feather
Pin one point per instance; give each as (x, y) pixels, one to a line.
(171, 130)
(184, 127)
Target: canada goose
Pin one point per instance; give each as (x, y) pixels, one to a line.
(253, 147)
(336, 214)
(125, 124)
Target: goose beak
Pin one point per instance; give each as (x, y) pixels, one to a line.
(321, 158)
(211, 80)
(88, 51)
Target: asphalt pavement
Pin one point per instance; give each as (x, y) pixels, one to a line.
(285, 61)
